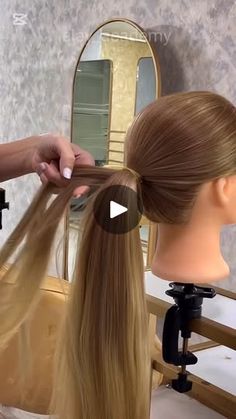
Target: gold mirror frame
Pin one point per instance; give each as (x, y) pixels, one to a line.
(153, 53)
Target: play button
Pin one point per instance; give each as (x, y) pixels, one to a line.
(117, 209)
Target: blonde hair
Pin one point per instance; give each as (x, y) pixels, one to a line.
(103, 361)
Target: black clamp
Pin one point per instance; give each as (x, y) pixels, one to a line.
(3, 204)
(188, 306)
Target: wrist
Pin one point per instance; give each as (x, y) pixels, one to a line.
(28, 154)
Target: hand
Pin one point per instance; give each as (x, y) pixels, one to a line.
(54, 158)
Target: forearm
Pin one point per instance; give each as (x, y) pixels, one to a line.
(15, 158)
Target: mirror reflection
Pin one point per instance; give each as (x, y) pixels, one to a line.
(91, 107)
(146, 84)
(115, 78)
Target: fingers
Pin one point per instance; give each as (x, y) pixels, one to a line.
(81, 190)
(43, 179)
(40, 170)
(82, 156)
(50, 173)
(66, 158)
(59, 170)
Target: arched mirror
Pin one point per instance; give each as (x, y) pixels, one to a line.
(117, 75)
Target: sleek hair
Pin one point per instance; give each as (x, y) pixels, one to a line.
(103, 363)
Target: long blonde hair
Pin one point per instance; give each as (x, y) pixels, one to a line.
(103, 363)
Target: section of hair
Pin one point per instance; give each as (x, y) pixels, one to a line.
(103, 357)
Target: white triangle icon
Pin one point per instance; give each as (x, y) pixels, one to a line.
(116, 209)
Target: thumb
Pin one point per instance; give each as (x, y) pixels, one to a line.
(67, 159)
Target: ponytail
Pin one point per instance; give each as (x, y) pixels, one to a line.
(103, 361)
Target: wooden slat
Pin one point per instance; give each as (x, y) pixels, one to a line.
(115, 161)
(152, 242)
(215, 331)
(202, 345)
(117, 141)
(218, 332)
(117, 131)
(203, 391)
(115, 151)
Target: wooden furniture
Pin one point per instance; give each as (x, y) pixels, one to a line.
(217, 354)
(218, 323)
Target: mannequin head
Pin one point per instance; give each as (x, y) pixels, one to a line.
(178, 144)
(184, 148)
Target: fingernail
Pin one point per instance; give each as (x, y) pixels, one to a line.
(67, 173)
(78, 195)
(42, 167)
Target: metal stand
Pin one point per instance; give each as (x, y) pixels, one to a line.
(188, 305)
(3, 204)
